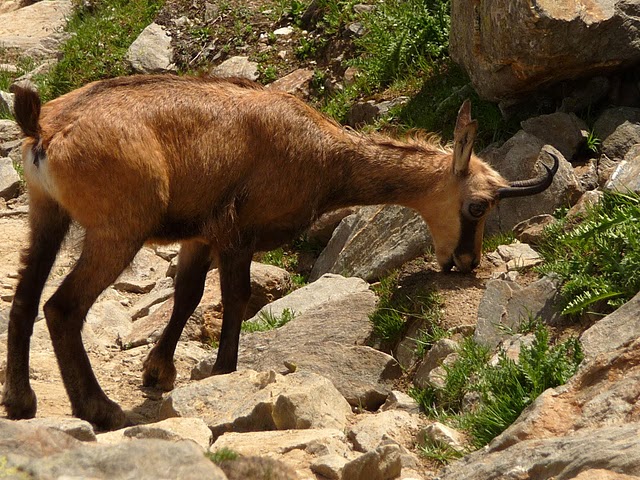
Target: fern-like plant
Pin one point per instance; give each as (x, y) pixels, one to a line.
(598, 258)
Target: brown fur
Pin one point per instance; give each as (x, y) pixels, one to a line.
(228, 168)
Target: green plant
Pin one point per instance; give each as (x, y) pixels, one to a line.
(267, 73)
(428, 337)
(402, 35)
(598, 258)
(222, 455)
(593, 142)
(492, 242)
(504, 389)
(439, 452)
(268, 321)
(100, 37)
(395, 308)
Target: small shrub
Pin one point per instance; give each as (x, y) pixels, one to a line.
(598, 259)
(268, 321)
(503, 390)
(222, 455)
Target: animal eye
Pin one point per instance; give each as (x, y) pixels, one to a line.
(477, 210)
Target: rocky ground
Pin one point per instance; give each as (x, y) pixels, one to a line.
(313, 399)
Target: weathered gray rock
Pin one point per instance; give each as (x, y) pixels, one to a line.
(626, 176)
(78, 429)
(587, 201)
(9, 130)
(616, 146)
(564, 131)
(438, 433)
(243, 468)
(398, 400)
(28, 27)
(612, 118)
(364, 113)
(6, 101)
(9, 180)
(506, 305)
(519, 255)
(151, 52)
(611, 448)
(433, 359)
(173, 429)
(515, 47)
(384, 463)
(372, 430)
(142, 307)
(296, 82)
(250, 401)
(373, 241)
(31, 451)
(519, 159)
(237, 67)
(530, 231)
(143, 273)
(614, 330)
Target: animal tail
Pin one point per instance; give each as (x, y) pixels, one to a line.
(26, 106)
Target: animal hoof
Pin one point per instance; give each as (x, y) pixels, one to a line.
(21, 405)
(157, 377)
(104, 414)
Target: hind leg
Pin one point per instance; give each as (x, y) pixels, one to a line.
(49, 225)
(102, 260)
(193, 264)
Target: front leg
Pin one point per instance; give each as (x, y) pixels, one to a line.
(235, 284)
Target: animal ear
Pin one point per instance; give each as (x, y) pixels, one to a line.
(463, 138)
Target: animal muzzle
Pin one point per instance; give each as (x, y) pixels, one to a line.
(463, 263)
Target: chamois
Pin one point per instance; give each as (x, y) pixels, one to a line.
(226, 167)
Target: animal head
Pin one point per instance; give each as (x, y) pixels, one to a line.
(473, 188)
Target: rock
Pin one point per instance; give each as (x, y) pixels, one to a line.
(32, 451)
(142, 307)
(28, 27)
(246, 468)
(143, 273)
(592, 422)
(9, 131)
(616, 145)
(514, 48)
(372, 242)
(438, 433)
(322, 229)
(614, 330)
(329, 466)
(9, 180)
(531, 230)
(296, 82)
(519, 256)
(519, 159)
(268, 284)
(612, 118)
(383, 463)
(506, 305)
(250, 401)
(283, 31)
(371, 431)
(587, 201)
(564, 131)
(151, 52)
(565, 456)
(237, 67)
(433, 359)
(76, 428)
(110, 321)
(510, 348)
(326, 290)
(173, 429)
(296, 448)
(400, 401)
(6, 100)
(583, 96)
(365, 113)
(626, 177)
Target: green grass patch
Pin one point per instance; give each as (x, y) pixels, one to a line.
(268, 321)
(597, 258)
(101, 36)
(492, 242)
(395, 308)
(222, 455)
(503, 390)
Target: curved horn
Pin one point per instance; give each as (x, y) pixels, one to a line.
(532, 186)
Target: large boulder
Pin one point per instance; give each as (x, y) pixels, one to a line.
(151, 52)
(512, 47)
(28, 27)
